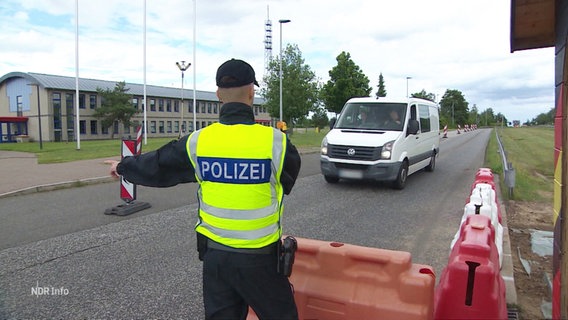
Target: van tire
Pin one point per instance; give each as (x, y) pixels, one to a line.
(331, 179)
(430, 167)
(400, 181)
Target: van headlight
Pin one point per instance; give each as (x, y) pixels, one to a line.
(387, 150)
(324, 146)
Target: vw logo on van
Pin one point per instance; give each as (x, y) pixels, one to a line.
(351, 152)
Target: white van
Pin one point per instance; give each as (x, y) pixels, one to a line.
(381, 139)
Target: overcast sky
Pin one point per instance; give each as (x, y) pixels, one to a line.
(440, 44)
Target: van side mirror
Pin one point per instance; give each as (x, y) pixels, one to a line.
(332, 123)
(413, 127)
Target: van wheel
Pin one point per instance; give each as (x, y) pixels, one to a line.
(430, 167)
(400, 181)
(331, 179)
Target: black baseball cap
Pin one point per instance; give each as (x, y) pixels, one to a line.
(235, 73)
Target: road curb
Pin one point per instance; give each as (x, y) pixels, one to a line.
(57, 186)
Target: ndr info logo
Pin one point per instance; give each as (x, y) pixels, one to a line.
(48, 291)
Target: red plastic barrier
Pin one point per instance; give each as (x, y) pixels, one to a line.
(340, 281)
(483, 175)
(471, 286)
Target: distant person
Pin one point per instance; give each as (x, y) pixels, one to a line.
(394, 119)
(243, 170)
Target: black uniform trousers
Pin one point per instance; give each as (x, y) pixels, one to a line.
(233, 281)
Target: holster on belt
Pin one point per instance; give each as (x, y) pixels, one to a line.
(201, 245)
(286, 253)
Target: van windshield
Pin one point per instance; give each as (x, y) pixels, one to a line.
(372, 116)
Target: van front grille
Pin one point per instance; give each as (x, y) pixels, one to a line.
(354, 152)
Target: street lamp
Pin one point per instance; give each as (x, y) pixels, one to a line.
(280, 73)
(182, 67)
(407, 78)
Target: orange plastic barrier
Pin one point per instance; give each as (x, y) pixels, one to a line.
(471, 286)
(340, 281)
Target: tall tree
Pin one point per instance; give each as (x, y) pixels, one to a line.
(346, 81)
(381, 90)
(474, 115)
(299, 87)
(424, 95)
(454, 108)
(115, 106)
(320, 118)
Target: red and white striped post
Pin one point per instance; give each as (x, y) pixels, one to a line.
(445, 131)
(129, 148)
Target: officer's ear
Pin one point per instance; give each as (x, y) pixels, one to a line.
(251, 93)
(218, 96)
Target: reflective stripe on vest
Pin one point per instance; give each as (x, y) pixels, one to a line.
(238, 168)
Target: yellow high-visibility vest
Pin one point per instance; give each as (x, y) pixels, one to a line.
(238, 168)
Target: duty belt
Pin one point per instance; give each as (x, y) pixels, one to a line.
(269, 249)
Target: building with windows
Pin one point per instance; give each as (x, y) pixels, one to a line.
(31, 103)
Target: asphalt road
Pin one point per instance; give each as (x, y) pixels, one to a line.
(145, 265)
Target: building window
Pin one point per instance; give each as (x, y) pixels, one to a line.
(169, 126)
(176, 106)
(197, 107)
(93, 101)
(69, 113)
(104, 130)
(152, 105)
(94, 127)
(176, 126)
(56, 100)
(203, 124)
(19, 106)
(209, 107)
(191, 126)
(135, 103)
(115, 127)
(83, 127)
(215, 105)
(190, 105)
(203, 107)
(126, 129)
(169, 105)
(152, 126)
(161, 105)
(82, 104)
(161, 127)
(256, 110)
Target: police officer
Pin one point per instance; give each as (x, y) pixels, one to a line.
(243, 170)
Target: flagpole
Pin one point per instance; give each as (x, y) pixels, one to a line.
(144, 67)
(77, 129)
(194, 65)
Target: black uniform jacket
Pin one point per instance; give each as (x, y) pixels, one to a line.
(170, 165)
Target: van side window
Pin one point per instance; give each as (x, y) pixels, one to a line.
(424, 113)
(413, 112)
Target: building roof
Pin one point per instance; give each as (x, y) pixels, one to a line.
(49, 81)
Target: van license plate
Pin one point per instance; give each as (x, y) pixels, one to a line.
(350, 174)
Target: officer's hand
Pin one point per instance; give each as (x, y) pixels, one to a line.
(113, 164)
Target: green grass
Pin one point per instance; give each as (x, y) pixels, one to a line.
(531, 151)
(57, 152)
